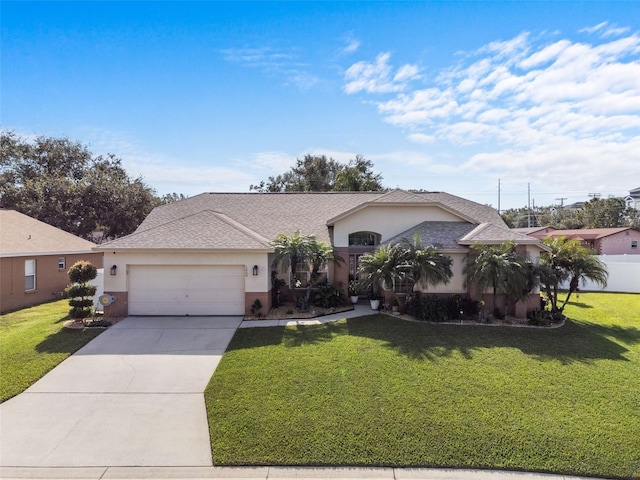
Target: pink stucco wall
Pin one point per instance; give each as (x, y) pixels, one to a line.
(619, 244)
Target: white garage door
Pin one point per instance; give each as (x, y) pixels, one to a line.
(186, 290)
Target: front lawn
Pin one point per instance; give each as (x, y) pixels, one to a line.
(382, 391)
(32, 342)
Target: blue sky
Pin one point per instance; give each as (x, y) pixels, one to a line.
(443, 96)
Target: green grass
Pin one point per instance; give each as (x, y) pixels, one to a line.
(382, 391)
(32, 342)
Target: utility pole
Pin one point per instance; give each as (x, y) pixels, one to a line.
(498, 196)
(562, 199)
(529, 205)
(594, 195)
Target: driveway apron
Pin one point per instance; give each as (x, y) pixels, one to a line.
(131, 397)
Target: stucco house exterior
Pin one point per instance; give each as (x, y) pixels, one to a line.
(211, 254)
(603, 241)
(35, 258)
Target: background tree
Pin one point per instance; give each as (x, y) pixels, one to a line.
(61, 183)
(604, 213)
(596, 213)
(317, 173)
(358, 176)
(81, 303)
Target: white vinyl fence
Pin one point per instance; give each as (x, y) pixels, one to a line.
(624, 274)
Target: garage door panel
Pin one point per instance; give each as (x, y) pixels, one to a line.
(186, 290)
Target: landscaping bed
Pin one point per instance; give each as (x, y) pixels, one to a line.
(289, 311)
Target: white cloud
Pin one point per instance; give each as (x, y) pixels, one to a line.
(551, 110)
(378, 76)
(352, 45)
(283, 63)
(421, 138)
(605, 30)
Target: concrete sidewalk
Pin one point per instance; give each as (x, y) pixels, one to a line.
(275, 473)
(359, 310)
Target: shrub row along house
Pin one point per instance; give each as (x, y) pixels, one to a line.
(212, 254)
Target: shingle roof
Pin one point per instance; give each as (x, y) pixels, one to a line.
(587, 233)
(198, 231)
(443, 235)
(494, 234)
(265, 215)
(23, 235)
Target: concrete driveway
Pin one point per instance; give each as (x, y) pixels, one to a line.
(131, 397)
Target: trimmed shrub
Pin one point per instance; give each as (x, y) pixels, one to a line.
(327, 296)
(82, 272)
(428, 309)
(80, 291)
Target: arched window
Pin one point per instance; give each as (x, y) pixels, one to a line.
(363, 239)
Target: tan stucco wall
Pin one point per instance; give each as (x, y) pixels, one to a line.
(50, 281)
(255, 286)
(387, 221)
(456, 284)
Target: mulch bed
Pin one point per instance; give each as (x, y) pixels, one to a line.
(289, 311)
(97, 322)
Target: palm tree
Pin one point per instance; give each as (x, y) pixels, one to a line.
(319, 255)
(383, 268)
(292, 252)
(568, 260)
(426, 265)
(499, 268)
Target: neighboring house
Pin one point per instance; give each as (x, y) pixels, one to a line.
(633, 199)
(35, 258)
(574, 207)
(211, 254)
(603, 241)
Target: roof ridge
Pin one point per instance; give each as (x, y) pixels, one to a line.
(234, 223)
(480, 228)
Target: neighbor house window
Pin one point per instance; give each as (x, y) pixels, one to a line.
(61, 263)
(363, 239)
(634, 244)
(29, 275)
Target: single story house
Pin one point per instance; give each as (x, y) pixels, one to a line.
(603, 241)
(35, 258)
(211, 254)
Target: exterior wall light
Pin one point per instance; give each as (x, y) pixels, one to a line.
(113, 270)
(255, 270)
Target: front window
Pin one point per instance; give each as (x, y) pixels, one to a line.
(634, 244)
(363, 239)
(61, 263)
(29, 275)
